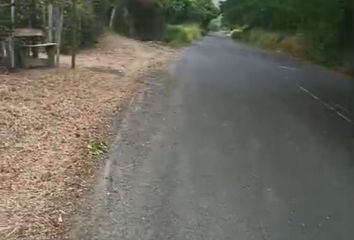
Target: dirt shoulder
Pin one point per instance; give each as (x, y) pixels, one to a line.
(47, 119)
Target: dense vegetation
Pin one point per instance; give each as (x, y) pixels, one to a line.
(325, 26)
(187, 20)
(190, 11)
(92, 16)
(137, 18)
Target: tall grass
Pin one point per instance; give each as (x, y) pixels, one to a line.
(291, 44)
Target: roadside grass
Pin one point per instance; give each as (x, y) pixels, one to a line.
(292, 44)
(289, 43)
(181, 35)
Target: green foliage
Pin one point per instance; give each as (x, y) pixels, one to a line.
(190, 11)
(326, 25)
(180, 35)
(93, 17)
(147, 21)
(97, 148)
(215, 25)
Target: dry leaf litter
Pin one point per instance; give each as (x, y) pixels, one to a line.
(47, 119)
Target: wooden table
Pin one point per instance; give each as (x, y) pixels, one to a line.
(32, 42)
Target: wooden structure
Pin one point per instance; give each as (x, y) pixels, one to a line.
(29, 45)
(32, 44)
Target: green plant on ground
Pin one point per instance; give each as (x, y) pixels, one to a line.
(97, 148)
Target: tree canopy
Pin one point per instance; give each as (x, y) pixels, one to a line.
(184, 11)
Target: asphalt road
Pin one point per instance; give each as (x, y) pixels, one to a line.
(230, 143)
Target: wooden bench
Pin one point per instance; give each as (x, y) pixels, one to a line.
(29, 55)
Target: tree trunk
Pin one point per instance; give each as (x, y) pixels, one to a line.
(12, 51)
(50, 22)
(58, 34)
(113, 15)
(74, 33)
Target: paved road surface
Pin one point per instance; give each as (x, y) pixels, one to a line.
(233, 143)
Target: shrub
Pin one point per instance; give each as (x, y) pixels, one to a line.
(237, 34)
(294, 45)
(240, 33)
(179, 35)
(264, 39)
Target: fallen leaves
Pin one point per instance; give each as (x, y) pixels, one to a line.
(47, 119)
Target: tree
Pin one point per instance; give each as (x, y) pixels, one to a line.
(75, 21)
(190, 11)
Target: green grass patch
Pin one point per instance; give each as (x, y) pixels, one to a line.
(97, 148)
(181, 35)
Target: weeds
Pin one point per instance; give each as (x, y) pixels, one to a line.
(97, 148)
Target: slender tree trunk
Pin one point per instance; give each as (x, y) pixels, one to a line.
(44, 14)
(50, 22)
(74, 33)
(12, 50)
(113, 15)
(58, 34)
